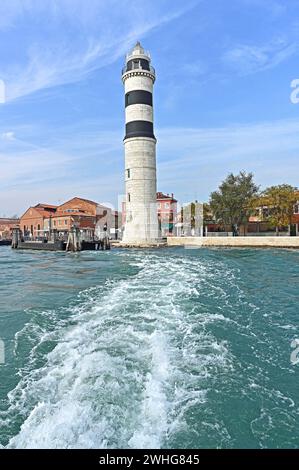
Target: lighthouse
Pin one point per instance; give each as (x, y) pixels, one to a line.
(138, 76)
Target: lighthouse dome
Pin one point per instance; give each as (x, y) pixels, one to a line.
(138, 59)
(138, 49)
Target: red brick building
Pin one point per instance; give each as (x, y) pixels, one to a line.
(6, 226)
(78, 212)
(88, 216)
(32, 222)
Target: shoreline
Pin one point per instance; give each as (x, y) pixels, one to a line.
(235, 242)
(204, 242)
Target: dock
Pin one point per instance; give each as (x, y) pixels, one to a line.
(5, 242)
(74, 242)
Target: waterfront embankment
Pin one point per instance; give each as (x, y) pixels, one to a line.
(238, 242)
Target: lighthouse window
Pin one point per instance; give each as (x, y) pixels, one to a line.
(128, 173)
(138, 64)
(129, 197)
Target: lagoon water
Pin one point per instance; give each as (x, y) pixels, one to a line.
(168, 348)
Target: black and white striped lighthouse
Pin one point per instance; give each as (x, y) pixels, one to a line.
(138, 77)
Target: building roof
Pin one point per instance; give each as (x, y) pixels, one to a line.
(80, 199)
(45, 206)
(43, 212)
(161, 195)
(5, 220)
(39, 211)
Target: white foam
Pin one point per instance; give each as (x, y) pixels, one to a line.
(128, 365)
(153, 421)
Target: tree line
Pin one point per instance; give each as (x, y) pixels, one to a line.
(239, 197)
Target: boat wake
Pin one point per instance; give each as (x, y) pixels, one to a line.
(127, 364)
(181, 351)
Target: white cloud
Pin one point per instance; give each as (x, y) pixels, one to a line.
(195, 69)
(55, 191)
(73, 38)
(30, 173)
(194, 160)
(7, 136)
(247, 59)
(2, 92)
(31, 167)
(191, 162)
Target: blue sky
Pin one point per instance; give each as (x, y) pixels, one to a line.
(222, 95)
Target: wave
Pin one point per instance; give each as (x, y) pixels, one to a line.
(124, 366)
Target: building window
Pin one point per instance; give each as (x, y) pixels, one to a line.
(128, 173)
(54, 223)
(129, 197)
(296, 208)
(166, 205)
(38, 227)
(159, 205)
(65, 222)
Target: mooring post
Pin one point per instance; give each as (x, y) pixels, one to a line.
(106, 243)
(70, 241)
(16, 238)
(78, 239)
(74, 240)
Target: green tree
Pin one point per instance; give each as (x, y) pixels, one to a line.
(231, 203)
(277, 203)
(207, 212)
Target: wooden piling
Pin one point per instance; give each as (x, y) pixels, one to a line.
(74, 240)
(16, 238)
